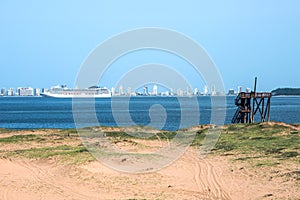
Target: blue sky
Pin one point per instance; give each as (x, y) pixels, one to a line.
(44, 43)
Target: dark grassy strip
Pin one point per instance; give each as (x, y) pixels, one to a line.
(21, 138)
(47, 152)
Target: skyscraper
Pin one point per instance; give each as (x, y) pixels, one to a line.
(128, 93)
(121, 90)
(231, 92)
(179, 92)
(11, 92)
(113, 91)
(3, 91)
(37, 92)
(240, 89)
(154, 91)
(196, 91)
(213, 90)
(145, 92)
(28, 91)
(205, 92)
(188, 91)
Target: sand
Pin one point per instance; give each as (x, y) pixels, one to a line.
(187, 178)
(214, 177)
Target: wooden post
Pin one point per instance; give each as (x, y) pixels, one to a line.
(253, 101)
(269, 108)
(255, 82)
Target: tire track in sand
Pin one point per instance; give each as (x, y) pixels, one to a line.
(207, 180)
(43, 179)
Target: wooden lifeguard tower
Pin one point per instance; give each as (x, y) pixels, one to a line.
(251, 103)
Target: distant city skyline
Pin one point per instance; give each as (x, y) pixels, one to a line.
(45, 43)
(146, 90)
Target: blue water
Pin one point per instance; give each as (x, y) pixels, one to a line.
(39, 112)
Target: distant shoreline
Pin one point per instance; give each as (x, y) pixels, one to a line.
(286, 92)
(286, 95)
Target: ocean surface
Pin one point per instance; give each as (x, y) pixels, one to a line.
(168, 113)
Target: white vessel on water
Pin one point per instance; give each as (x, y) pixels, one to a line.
(64, 92)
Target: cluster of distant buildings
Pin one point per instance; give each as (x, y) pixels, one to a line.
(20, 91)
(239, 90)
(145, 91)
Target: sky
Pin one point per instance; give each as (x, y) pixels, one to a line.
(44, 43)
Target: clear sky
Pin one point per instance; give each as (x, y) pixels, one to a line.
(43, 43)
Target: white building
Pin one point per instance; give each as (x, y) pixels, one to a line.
(37, 92)
(205, 92)
(188, 91)
(128, 93)
(179, 92)
(213, 90)
(11, 92)
(240, 89)
(44, 90)
(145, 91)
(231, 92)
(113, 91)
(171, 92)
(3, 92)
(154, 91)
(121, 90)
(25, 91)
(196, 91)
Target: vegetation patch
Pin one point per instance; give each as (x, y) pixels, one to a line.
(263, 140)
(289, 154)
(262, 144)
(266, 163)
(20, 138)
(47, 152)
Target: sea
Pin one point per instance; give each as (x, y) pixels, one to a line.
(166, 113)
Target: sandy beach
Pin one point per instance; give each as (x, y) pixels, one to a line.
(218, 176)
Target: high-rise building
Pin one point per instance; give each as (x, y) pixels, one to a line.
(44, 90)
(11, 92)
(121, 90)
(240, 89)
(179, 92)
(231, 92)
(154, 91)
(128, 93)
(37, 92)
(171, 92)
(145, 91)
(113, 91)
(188, 91)
(213, 90)
(25, 91)
(205, 92)
(3, 91)
(195, 92)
